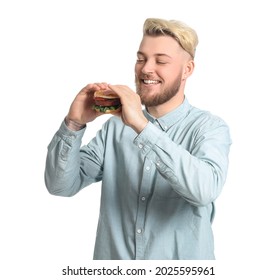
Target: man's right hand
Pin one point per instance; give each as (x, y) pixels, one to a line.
(81, 110)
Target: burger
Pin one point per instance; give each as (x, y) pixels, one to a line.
(106, 101)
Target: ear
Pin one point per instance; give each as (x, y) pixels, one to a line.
(188, 69)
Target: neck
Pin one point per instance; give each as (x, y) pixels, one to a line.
(163, 109)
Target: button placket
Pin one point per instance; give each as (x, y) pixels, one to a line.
(142, 205)
(140, 146)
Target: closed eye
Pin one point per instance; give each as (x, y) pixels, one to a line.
(161, 62)
(139, 60)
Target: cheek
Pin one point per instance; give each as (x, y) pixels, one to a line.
(172, 72)
(137, 68)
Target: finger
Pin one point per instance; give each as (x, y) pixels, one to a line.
(122, 91)
(117, 88)
(91, 88)
(102, 86)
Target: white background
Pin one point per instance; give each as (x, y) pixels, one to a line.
(50, 49)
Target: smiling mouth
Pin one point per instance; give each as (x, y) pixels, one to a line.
(150, 82)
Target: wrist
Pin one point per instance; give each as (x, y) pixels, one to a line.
(72, 125)
(139, 127)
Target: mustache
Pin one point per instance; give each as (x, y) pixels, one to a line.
(148, 77)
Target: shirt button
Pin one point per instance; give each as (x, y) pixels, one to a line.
(147, 168)
(139, 231)
(140, 146)
(143, 198)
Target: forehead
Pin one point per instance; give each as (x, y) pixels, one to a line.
(153, 45)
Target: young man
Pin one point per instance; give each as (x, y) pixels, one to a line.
(161, 168)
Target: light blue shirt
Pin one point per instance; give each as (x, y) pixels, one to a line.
(158, 187)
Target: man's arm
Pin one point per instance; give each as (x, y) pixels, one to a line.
(198, 176)
(63, 172)
(66, 162)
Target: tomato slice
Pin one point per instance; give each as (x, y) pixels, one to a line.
(99, 98)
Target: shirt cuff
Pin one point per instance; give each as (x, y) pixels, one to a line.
(68, 135)
(148, 138)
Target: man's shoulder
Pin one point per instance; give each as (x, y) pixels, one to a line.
(205, 117)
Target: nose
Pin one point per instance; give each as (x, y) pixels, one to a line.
(148, 67)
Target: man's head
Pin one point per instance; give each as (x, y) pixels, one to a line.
(182, 33)
(164, 61)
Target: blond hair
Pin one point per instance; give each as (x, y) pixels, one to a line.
(182, 33)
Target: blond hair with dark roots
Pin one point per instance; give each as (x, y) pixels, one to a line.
(182, 33)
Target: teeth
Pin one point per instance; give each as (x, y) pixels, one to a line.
(150, 82)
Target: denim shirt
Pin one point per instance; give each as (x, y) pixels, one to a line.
(158, 187)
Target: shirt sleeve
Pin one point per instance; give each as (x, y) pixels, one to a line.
(197, 175)
(67, 163)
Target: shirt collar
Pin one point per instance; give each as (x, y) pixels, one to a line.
(168, 120)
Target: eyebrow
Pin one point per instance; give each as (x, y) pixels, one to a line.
(157, 54)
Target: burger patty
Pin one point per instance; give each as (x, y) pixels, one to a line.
(107, 102)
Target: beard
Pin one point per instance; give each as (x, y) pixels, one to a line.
(158, 98)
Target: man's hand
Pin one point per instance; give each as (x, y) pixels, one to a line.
(81, 110)
(131, 113)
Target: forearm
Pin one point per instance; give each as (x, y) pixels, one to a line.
(198, 174)
(63, 162)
